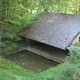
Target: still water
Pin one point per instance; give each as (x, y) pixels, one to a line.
(31, 61)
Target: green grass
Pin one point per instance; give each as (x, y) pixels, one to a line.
(11, 71)
(63, 71)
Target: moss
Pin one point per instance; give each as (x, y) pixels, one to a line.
(11, 71)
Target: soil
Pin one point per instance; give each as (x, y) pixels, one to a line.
(31, 61)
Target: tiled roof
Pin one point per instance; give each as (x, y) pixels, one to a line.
(55, 29)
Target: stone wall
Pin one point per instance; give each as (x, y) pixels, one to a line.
(76, 40)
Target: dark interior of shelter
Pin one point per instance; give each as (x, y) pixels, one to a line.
(47, 51)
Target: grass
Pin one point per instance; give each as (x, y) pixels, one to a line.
(11, 71)
(63, 71)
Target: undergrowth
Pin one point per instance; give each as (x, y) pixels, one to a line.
(11, 71)
(9, 32)
(9, 39)
(64, 71)
(74, 54)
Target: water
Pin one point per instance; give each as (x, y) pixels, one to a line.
(31, 61)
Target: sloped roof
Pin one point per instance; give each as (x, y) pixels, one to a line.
(55, 29)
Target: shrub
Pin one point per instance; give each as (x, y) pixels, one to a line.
(74, 54)
(61, 72)
(11, 71)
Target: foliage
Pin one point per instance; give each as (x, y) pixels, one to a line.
(74, 54)
(10, 48)
(11, 71)
(61, 72)
(12, 21)
(65, 71)
(7, 46)
(17, 16)
(62, 6)
(24, 12)
(14, 18)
